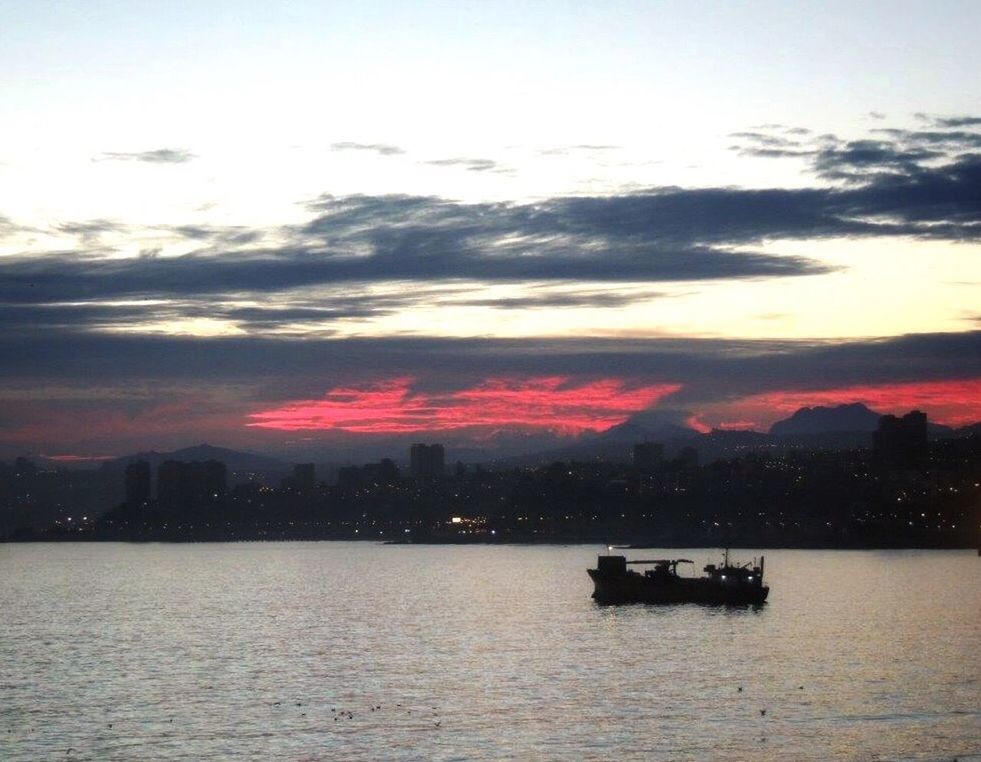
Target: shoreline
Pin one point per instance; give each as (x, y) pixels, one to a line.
(623, 547)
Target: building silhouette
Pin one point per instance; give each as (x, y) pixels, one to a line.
(383, 472)
(902, 442)
(184, 484)
(688, 458)
(426, 461)
(137, 480)
(647, 456)
(304, 474)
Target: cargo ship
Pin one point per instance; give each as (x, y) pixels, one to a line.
(728, 584)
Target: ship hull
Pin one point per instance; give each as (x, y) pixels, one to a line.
(630, 587)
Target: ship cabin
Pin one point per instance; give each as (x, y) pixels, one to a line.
(663, 567)
(735, 575)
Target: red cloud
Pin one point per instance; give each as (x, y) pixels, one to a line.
(553, 403)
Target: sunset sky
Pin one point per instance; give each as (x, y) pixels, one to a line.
(291, 226)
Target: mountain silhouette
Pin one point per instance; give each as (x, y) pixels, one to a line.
(824, 420)
(234, 460)
(632, 432)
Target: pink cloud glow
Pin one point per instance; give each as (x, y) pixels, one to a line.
(552, 402)
(953, 402)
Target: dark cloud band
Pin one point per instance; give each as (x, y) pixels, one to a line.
(709, 369)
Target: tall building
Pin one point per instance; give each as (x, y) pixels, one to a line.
(902, 442)
(137, 476)
(426, 461)
(349, 478)
(214, 478)
(186, 484)
(303, 475)
(688, 458)
(383, 472)
(169, 474)
(648, 455)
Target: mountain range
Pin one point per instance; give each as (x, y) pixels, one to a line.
(842, 426)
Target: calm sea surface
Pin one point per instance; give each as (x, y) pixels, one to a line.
(261, 651)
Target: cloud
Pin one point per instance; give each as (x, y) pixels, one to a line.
(471, 165)
(708, 368)
(382, 149)
(658, 235)
(581, 148)
(773, 145)
(360, 257)
(101, 387)
(413, 258)
(9, 228)
(564, 251)
(946, 143)
(955, 402)
(291, 314)
(394, 406)
(770, 139)
(950, 121)
(855, 159)
(367, 239)
(90, 231)
(228, 236)
(904, 153)
(34, 319)
(69, 317)
(159, 156)
(581, 298)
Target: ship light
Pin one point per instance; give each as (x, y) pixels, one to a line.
(723, 576)
(750, 578)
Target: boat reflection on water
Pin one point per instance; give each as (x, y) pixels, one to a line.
(728, 584)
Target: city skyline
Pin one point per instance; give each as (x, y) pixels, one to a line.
(283, 230)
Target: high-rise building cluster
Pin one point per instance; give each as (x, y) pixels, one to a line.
(902, 442)
(427, 461)
(190, 483)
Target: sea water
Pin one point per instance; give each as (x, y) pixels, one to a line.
(346, 651)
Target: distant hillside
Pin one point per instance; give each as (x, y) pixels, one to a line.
(972, 430)
(242, 466)
(615, 445)
(823, 420)
(632, 432)
(234, 460)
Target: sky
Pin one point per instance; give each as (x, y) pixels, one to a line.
(295, 227)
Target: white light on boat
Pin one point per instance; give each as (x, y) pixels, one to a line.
(750, 578)
(723, 576)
